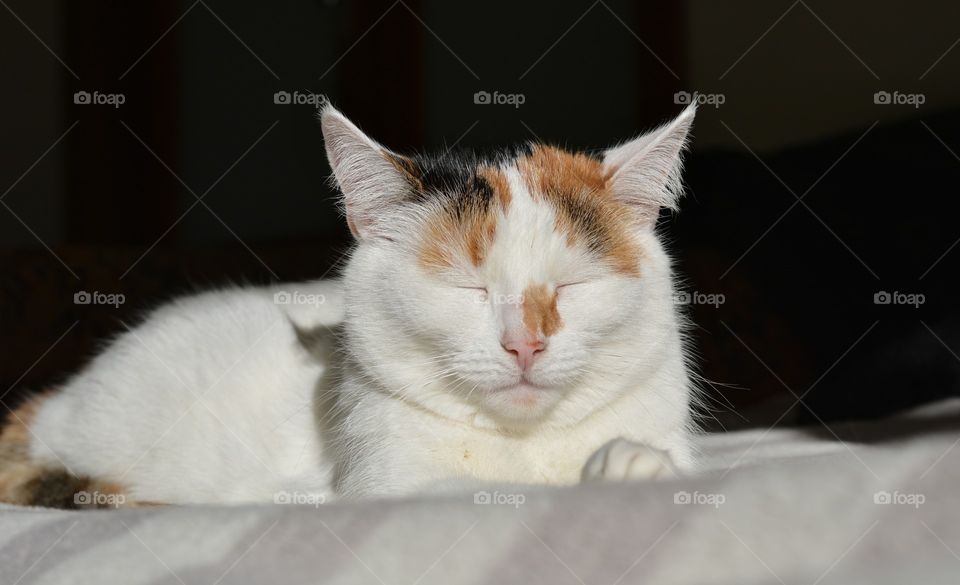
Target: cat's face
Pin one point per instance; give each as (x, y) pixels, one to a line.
(506, 281)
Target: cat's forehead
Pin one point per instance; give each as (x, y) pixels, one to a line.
(535, 199)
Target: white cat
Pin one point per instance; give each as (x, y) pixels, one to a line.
(501, 319)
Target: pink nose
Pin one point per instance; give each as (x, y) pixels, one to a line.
(525, 350)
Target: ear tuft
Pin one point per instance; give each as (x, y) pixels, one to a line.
(368, 174)
(645, 172)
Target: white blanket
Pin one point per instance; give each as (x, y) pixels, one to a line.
(878, 503)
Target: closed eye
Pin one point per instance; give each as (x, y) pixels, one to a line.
(568, 284)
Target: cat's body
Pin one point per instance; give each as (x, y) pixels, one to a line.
(210, 399)
(501, 320)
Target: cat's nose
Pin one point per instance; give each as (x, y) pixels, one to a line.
(525, 350)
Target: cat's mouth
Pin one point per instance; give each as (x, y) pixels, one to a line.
(524, 385)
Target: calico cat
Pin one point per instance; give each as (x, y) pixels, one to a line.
(505, 318)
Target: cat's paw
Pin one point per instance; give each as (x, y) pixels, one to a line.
(622, 460)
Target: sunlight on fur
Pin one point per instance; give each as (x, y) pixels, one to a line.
(502, 318)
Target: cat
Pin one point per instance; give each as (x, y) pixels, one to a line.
(504, 318)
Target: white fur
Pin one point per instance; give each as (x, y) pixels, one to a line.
(209, 399)
(227, 396)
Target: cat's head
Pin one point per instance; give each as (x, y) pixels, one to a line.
(508, 284)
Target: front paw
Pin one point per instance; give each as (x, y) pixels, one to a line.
(621, 460)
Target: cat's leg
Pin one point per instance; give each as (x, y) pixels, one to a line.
(622, 459)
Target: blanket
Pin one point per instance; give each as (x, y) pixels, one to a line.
(872, 502)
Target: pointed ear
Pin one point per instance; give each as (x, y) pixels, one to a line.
(645, 172)
(371, 178)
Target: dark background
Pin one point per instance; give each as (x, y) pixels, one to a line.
(806, 197)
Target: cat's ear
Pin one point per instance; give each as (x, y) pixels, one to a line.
(645, 172)
(371, 178)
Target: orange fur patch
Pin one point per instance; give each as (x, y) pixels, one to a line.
(466, 230)
(578, 188)
(447, 236)
(574, 184)
(498, 182)
(26, 482)
(16, 431)
(540, 314)
(479, 236)
(407, 168)
(435, 253)
(16, 470)
(553, 172)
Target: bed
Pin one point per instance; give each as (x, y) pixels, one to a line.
(872, 502)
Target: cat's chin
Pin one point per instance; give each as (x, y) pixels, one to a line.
(522, 401)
